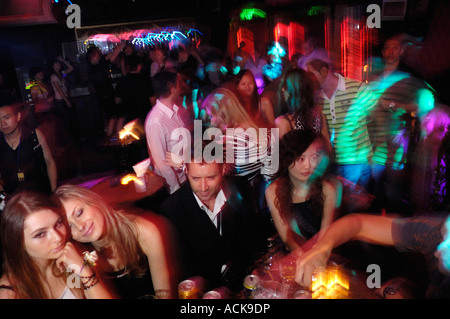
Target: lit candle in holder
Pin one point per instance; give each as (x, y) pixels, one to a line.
(330, 283)
(319, 283)
(338, 285)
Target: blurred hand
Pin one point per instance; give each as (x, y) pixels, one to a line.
(306, 264)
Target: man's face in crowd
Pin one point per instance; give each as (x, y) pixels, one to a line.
(392, 51)
(205, 180)
(9, 121)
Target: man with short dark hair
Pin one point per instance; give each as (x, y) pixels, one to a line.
(26, 161)
(164, 118)
(344, 102)
(215, 227)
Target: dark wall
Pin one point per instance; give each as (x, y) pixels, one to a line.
(25, 46)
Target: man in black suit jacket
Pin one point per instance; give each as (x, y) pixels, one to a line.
(215, 227)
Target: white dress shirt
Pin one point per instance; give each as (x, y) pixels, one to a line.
(161, 121)
(213, 214)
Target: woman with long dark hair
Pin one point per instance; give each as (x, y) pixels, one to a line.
(296, 109)
(301, 199)
(38, 258)
(246, 90)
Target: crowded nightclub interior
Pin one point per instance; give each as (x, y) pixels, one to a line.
(224, 149)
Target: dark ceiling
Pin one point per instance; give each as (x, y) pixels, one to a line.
(94, 12)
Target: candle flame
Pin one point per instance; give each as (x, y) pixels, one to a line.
(128, 130)
(123, 133)
(130, 177)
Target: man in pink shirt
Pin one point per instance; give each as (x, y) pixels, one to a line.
(164, 118)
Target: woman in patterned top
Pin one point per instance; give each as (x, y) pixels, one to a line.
(250, 162)
(296, 109)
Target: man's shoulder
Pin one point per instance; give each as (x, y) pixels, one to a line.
(180, 199)
(352, 82)
(154, 116)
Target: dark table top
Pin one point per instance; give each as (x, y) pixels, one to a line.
(120, 196)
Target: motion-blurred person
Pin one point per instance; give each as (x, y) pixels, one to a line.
(128, 52)
(257, 69)
(428, 167)
(274, 67)
(242, 59)
(26, 161)
(133, 252)
(188, 64)
(403, 102)
(343, 102)
(100, 84)
(296, 109)
(311, 51)
(47, 121)
(427, 235)
(63, 106)
(269, 102)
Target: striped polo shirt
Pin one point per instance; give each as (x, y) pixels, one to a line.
(346, 113)
(393, 115)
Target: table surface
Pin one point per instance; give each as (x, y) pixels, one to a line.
(358, 288)
(118, 195)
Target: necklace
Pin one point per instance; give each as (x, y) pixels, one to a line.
(11, 144)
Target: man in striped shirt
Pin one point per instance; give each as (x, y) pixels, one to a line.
(345, 103)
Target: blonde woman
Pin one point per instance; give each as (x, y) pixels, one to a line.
(249, 160)
(131, 249)
(223, 110)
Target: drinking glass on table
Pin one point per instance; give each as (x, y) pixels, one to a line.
(287, 274)
(269, 289)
